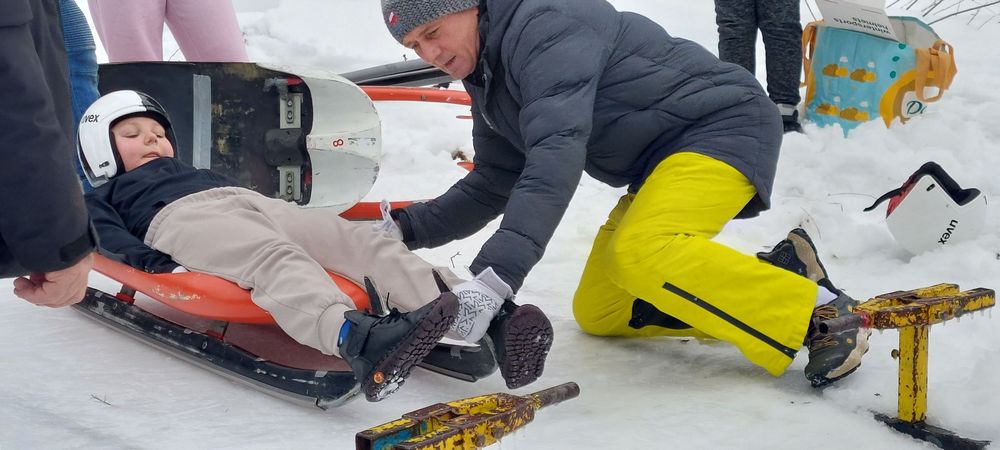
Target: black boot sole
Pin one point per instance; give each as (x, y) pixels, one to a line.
(527, 338)
(390, 373)
(820, 382)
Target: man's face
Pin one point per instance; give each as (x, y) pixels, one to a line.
(141, 140)
(450, 43)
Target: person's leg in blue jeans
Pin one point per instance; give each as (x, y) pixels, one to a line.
(82, 57)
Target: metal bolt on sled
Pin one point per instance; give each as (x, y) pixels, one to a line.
(470, 423)
(913, 312)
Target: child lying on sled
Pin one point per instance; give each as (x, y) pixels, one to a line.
(159, 214)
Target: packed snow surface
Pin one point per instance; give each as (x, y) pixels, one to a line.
(66, 382)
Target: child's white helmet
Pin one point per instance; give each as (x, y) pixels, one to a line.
(96, 148)
(931, 210)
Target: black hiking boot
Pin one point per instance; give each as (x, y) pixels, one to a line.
(834, 356)
(797, 254)
(522, 337)
(383, 350)
(831, 356)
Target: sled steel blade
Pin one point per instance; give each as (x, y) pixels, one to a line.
(323, 389)
(470, 423)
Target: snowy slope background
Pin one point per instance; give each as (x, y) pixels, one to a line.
(66, 382)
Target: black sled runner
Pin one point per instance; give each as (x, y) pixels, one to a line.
(212, 323)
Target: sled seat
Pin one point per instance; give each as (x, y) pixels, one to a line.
(205, 295)
(211, 297)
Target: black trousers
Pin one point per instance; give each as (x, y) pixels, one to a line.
(778, 22)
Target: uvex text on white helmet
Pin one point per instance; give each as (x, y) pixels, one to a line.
(96, 146)
(931, 210)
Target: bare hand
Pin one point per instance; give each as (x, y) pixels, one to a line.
(56, 289)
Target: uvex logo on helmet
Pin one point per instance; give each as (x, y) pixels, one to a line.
(392, 19)
(948, 231)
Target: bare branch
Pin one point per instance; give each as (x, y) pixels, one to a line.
(956, 4)
(965, 11)
(811, 13)
(931, 7)
(102, 400)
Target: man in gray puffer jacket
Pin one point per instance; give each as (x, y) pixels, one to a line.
(560, 87)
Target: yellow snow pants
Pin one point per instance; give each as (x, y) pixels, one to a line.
(654, 270)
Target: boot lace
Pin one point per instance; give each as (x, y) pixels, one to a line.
(819, 341)
(394, 316)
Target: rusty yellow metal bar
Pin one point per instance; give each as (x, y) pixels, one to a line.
(469, 423)
(925, 306)
(912, 313)
(912, 394)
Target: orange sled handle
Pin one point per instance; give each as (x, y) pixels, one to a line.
(205, 295)
(410, 94)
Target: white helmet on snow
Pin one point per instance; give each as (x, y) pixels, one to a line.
(96, 147)
(931, 210)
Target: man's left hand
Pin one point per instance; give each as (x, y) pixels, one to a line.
(56, 289)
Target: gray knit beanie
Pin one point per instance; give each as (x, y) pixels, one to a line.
(402, 16)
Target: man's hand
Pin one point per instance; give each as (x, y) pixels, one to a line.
(479, 300)
(56, 289)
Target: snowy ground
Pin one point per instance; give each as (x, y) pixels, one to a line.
(68, 383)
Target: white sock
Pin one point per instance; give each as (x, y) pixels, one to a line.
(824, 296)
(786, 110)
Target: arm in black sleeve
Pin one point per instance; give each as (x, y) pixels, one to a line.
(473, 201)
(118, 244)
(44, 224)
(557, 64)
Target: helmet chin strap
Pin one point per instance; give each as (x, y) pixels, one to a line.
(119, 164)
(931, 210)
(958, 195)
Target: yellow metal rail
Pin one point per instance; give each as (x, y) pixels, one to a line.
(465, 424)
(913, 312)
